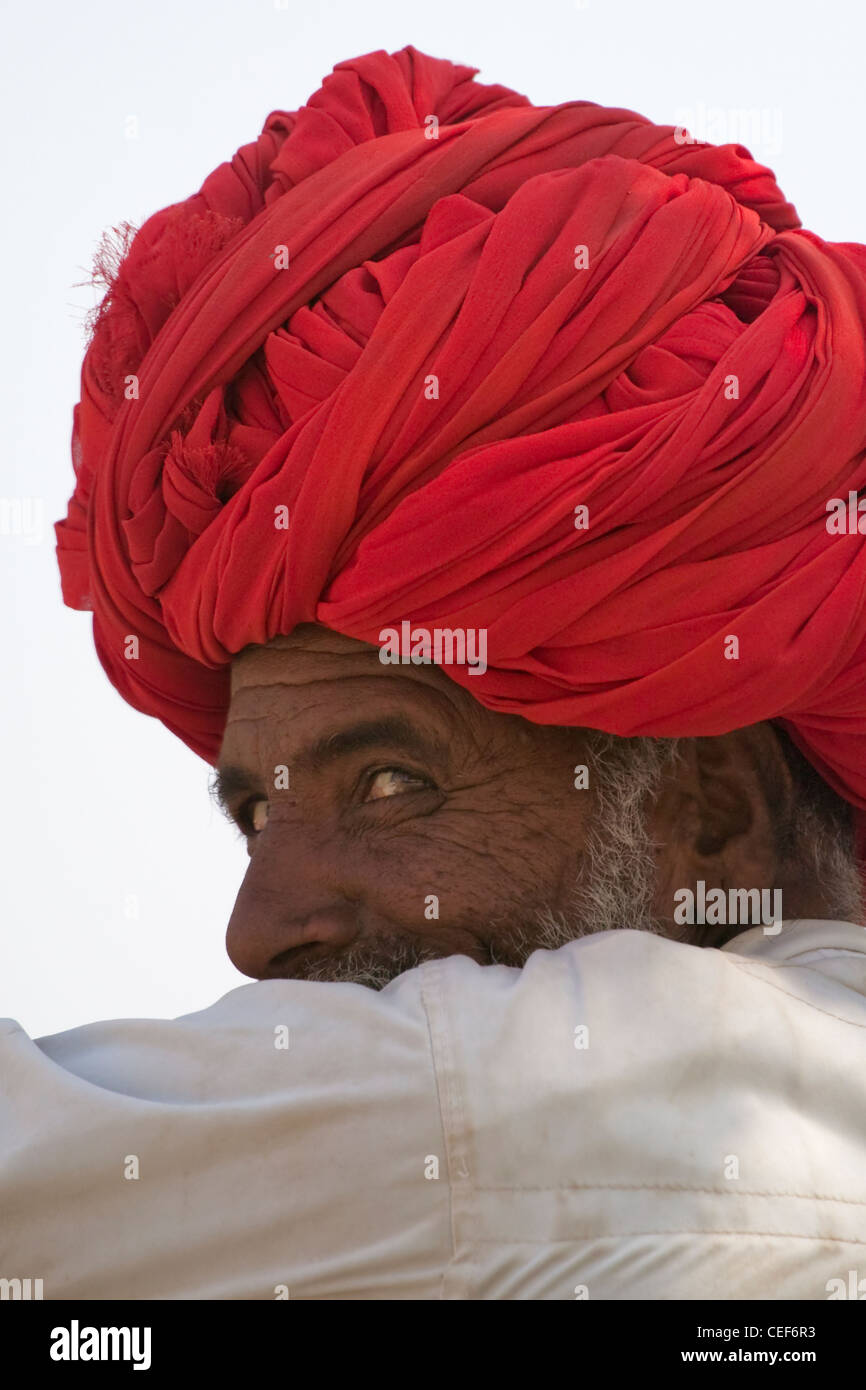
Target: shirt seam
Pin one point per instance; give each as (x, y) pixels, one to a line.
(742, 963)
(450, 1104)
(668, 1187)
(815, 1237)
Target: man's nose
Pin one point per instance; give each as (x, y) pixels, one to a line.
(290, 898)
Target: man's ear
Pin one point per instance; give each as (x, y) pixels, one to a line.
(719, 814)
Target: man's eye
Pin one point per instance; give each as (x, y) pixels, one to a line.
(393, 781)
(254, 817)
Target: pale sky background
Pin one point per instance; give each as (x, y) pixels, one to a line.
(118, 875)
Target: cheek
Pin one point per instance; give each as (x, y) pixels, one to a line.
(476, 862)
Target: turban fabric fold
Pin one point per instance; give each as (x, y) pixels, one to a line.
(424, 320)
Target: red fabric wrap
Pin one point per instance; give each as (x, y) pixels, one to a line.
(609, 386)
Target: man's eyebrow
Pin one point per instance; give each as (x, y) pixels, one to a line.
(395, 731)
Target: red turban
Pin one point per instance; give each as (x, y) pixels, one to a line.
(430, 320)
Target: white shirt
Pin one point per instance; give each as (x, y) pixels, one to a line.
(624, 1118)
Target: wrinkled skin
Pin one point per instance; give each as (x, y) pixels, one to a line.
(477, 808)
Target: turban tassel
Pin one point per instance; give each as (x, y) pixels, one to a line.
(611, 320)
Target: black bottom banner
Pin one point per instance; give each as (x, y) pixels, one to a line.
(61, 1338)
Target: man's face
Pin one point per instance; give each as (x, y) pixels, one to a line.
(415, 823)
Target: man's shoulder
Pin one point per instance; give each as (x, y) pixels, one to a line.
(624, 1101)
(635, 974)
(664, 1092)
(683, 1039)
(621, 980)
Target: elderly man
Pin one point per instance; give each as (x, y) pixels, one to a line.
(476, 486)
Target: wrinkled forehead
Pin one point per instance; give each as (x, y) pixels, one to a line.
(313, 662)
(314, 676)
(309, 653)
